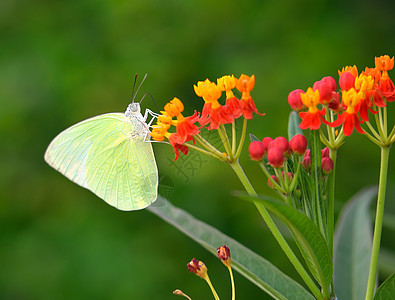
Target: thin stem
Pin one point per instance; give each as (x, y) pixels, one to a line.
(221, 157)
(331, 201)
(233, 283)
(205, 144)
(243, 135)
(275, 184)
(225, 141)
(378, 222)
(323, 138)
(378, 122)
(339, 139)
(212, 288)
(296, 175)
(391, 135)
(233, 138)
(372, 130)
(276, 232)
(371, 138)
(316, 177)
(383, 129)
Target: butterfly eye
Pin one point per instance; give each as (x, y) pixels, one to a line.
(135, 107)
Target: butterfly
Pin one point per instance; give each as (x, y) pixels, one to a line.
(110, 155)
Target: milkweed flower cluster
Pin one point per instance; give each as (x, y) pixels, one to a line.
(360, 94)
(214, 116)
(276, 153)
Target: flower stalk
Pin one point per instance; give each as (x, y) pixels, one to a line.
(378, 222)
(276, 232)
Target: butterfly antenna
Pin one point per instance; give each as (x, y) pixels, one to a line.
(141, 83)
(134, 85)
(153, 100)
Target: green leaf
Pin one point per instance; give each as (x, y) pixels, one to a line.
(308, 237)
(353, 246)
(387, 289)
(249, 264)
(293, 125)
(254, 138)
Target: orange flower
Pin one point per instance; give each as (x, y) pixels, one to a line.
(213, 112)
(364, 85)
(245, 84)
(375, 93)
(185, 127)
(384, 63)
(348, 69)
(232, 106)
(386, 86)
(349, 118)
(313, 117)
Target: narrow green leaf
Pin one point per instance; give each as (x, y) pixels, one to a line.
(386, 290)
(249, 264)
(353, 246)
(309, 239)
(254, 138)
(293, 125)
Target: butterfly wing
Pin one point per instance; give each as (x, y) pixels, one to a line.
(100, 155)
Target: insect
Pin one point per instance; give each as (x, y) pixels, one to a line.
(111, 156)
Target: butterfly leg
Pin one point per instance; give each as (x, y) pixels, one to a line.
(153, 115)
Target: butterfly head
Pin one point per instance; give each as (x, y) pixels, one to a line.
(133, 108)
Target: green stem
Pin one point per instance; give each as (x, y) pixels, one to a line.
(275, 184)
(225, 141)
(331, 202)
(205, 144)
(241, 142)
(233, 138)
(221, 157)
(378, 222)
(372, 130)
(275, 231)
(316, 179)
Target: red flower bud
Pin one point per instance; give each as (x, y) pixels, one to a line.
(256, 150)
(294, 99)
(326, 165)
(298, 144)
(329, 80)
(266, 141)
(325, 152)
(306, 162)
(281, 143)
(346, 81)
(275, 155)
(325, 90)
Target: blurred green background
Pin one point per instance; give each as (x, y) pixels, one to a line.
(64, 61)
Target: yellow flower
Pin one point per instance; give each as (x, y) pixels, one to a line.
(209, 91)
(311, 99)
(351, 98)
